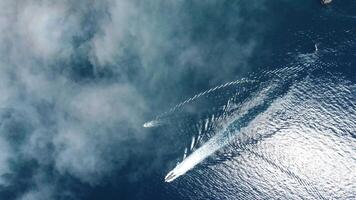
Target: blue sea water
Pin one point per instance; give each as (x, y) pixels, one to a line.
(299, 143)
(267, 95)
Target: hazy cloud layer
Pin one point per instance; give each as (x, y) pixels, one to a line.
(76, 79)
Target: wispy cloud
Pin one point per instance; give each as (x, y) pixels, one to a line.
(73, 77)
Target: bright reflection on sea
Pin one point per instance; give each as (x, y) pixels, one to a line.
(302, 147)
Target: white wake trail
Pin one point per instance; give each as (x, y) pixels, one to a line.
(232, 127)
(158, 121)
(222, 138)
(214, 144)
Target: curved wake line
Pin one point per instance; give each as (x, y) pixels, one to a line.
(157, 121)
(205, 93)
(231, 127)
(277, 72)
(222, 138)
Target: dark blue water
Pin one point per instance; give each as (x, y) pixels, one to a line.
(285, 129)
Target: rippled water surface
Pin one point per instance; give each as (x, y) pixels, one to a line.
(301, 146)
(288, 132)
(177, 99)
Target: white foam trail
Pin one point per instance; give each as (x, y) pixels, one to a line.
(196, 157)
(285, 72)
(221, 139)
(159, 121)
(185, 153)
(206, 124)
(156, 122)
(193, 143)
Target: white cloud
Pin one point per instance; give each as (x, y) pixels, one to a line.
(5, 154)
(43, 26)
(114, 31)
(43, 193)
(80, 126)
(71, 124)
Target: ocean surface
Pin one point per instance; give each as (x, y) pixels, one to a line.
(287, 128)
(242, 100)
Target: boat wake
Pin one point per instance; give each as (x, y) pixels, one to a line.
(248, 98)
(230, 126)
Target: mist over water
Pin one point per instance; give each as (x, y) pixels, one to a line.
(186, 99)
(295, 142)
